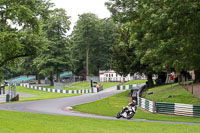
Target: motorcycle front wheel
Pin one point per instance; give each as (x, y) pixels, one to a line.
(118, 115)
(130, 115)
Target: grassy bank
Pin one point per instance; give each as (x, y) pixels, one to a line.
(39, 95)
(85, 85)
(111, 105)
(17, 122)
(172, 93)
(135, 82)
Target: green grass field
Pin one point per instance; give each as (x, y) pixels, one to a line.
(85, 85)
(39, 95)
(178, 95)
(109, 84)
(74, 86)
(18, 122)
(112, 105)
(135, 82)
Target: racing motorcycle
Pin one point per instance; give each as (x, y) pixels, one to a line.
(128, 112)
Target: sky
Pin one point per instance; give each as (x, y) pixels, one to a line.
(76, 7)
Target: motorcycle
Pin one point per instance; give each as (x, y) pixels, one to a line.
(127, 112)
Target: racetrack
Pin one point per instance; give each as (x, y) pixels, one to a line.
(58, 106)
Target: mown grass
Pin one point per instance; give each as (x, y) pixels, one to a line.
(84, 85)
(74, 86)
(18, 122)
(39, 95)
(175, 92)
(109, 84)
(135, 82)
(112, 105)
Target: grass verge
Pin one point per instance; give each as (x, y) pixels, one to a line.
(175, 92)
(84, 85)
(18, 122)
(39, 95)
(112, 105)
(135, 82)
(109, 84)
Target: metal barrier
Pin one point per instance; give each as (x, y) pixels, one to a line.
(168, 108)
(134, 86)
(178, 109)
(93, 90)
(146, 104)
(2, 90)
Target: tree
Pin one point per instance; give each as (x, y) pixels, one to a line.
(56, 55)
(84, 35)
(20, 28)
(107, 34)
(127, 53)
(93, 39)
(165, 33)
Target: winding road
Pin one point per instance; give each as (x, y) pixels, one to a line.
(58, 106)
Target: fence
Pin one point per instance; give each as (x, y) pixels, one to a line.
(93, 90)
(94, 78)
(3, 96)
(115, 79)
(168, 108)
(178, 109)
(134, 86)
(146, 104)
(2, 90)
(162, 107)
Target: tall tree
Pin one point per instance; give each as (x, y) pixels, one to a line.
(56, 55)
(165, 33)
(20, 28)
(97, 35)
(85, 35)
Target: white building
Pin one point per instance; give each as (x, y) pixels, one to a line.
(112, 76)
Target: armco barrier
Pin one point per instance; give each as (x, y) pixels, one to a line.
(126, 87)
(168, 108)
(2, 98)
(93, 90)
(178, 109)
(146, 104)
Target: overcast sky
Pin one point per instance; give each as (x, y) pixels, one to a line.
(76, 7)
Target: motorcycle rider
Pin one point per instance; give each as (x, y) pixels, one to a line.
(130, 106)
(128, 111)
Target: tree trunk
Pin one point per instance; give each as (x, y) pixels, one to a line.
(51, 79)
(87, 59)
(58, 76)
(38, 78)
(197, 76)
(150, 81)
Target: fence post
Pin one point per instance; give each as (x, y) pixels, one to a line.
(7, 97)
(154, 107)
(118, 87)
(192, 87)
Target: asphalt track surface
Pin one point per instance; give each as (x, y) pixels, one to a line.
(58, 106)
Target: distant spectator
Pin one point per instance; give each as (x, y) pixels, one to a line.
(97, 86)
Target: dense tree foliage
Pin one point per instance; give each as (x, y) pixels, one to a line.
(165, 34)
(56, 55)
(93, 39)
(20, 28)
(30, 28)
